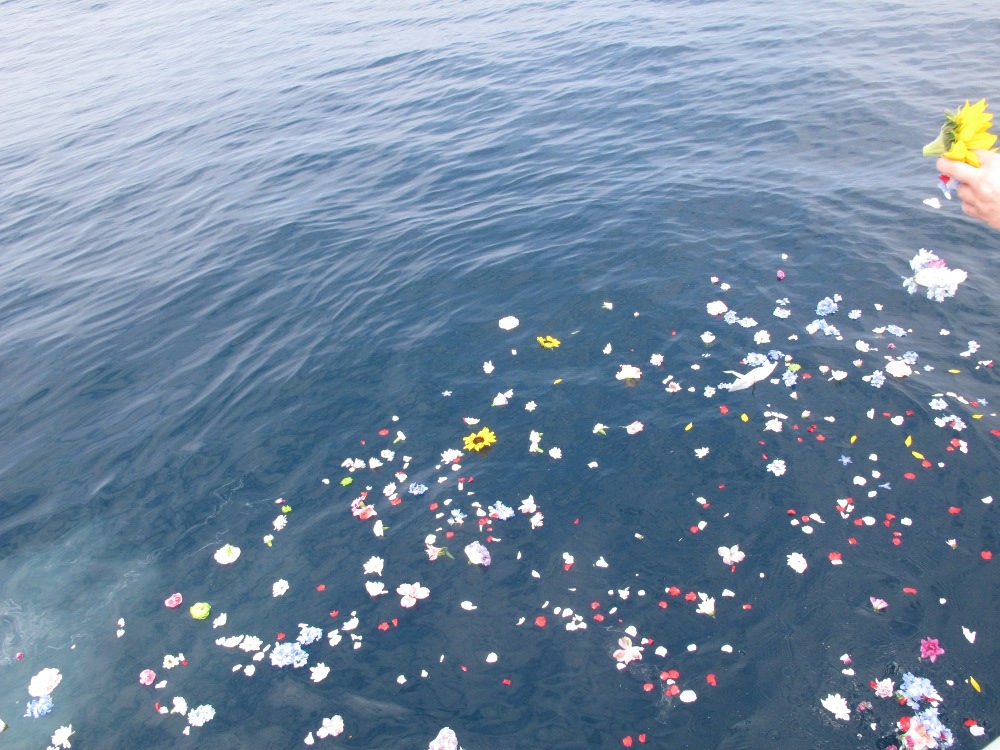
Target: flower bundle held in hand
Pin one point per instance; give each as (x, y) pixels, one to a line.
(964, 131)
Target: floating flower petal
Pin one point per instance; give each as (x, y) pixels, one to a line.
(478, 554)
(837, 706)
(60, 738)
(227, 554)
(797, 562)
(411, 592)
(44, 682)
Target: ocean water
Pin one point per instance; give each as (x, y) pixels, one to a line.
(244, 242)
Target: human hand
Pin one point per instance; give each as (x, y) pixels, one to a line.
(980, 188)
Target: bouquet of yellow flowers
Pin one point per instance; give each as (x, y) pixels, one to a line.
(964, 130)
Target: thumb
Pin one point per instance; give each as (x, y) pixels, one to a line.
(958, 170)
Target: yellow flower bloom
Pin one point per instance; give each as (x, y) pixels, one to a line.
(964, 131)
(972, 125)
(549, 342)
(479, 440)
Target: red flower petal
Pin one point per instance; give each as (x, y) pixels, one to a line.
(540, 621)
(174, 600)
(986, 554)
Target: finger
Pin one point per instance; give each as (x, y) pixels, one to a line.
(956, 169)
(970, 209)
(965, 193)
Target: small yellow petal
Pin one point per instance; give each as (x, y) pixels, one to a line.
(975, 685)
(744, 417)
(854, 439)
(909, 441)
(917, 455)
(688, 426)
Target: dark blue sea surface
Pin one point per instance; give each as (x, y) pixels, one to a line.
(246, 241)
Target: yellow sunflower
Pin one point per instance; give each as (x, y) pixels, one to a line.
(479, 440)
(964, 131)
(549, 342)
